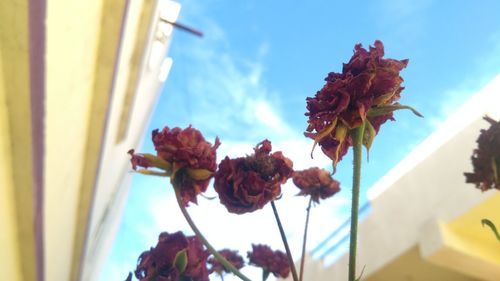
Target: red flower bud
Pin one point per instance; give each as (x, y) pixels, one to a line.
(231, 256)
(275, 262)
(316, 182)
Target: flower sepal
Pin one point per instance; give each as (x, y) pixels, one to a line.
(153, 173)
(368, 136)
(157, 162)
(386, 109)
(199, 174)
(321, 135)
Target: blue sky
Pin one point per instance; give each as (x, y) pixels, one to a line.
(248, 77)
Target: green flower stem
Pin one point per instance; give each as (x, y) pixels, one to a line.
(303, 257)
(285, 242)
(265, 274)
(211, 249)
(357, 135)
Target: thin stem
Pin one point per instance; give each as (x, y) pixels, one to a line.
(303, 257)
(265, 274)
(211, 249)
(285, 242)
(357, 135)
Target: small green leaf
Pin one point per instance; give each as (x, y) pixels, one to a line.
(385, 109)
(492, 226)
(265, 274)
(360, 275)
(368, 137)
(180, 261)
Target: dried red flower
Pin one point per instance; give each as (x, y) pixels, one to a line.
(158, 262)
(367, 82)
(188, 157)
(486, 158)
(275, 262)
(316, 182)
(246, 184)
(231, 256)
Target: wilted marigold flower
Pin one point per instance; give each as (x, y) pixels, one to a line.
(185, 156)
(366, 90)
(159, 263)
(231, 256)
(275, 262)
(316, 182)
(246, 184)
(486, 158)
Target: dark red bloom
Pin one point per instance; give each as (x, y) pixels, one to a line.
(275, 262)
(367, 81)
(246, 184)
(316, 182)
(158, 262)
(231, 256)
(486, 158)
(190, 158)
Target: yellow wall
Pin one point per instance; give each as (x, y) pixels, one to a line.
(72, 28)
(9, 256)
(463, 245)
(471, 237)
(471, 248)
(108, 42)
(17, 254)
(82, 39)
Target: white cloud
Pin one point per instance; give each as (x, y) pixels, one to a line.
(227, 97)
